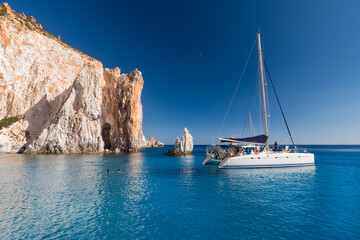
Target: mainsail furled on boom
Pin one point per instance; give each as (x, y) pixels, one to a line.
(260, 139)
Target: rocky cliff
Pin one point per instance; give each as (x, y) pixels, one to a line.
(66, 100)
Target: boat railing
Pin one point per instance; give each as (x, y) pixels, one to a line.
(287, 150)
(210, 147)
(300, 150)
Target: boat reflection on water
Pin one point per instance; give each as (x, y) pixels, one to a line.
(267, 180)
(272, 172)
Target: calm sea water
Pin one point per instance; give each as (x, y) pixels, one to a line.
(161, 197)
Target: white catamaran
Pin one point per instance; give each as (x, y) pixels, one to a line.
(254, 152)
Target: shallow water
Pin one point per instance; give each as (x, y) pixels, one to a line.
(160, 197)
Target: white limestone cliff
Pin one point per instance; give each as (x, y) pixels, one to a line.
(68, 101)
(76, 127)
(5, 145)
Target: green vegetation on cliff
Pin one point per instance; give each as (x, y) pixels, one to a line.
(2, 12)
(7, 121)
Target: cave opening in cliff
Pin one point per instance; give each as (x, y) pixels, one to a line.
(106, 135)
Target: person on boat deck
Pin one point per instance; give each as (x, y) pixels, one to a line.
(276, 147)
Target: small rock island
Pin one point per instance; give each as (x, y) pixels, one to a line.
(154, 143)
(183, 146)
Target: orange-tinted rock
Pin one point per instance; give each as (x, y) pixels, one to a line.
(7, 8)
(69, 102)
(122, 110)
(32, 19)
(4, 38)
(117, 71)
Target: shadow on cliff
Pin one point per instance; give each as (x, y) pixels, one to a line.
(40, 116)
(112, 122)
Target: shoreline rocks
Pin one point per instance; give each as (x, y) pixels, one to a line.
(183, 146)
(154, 143)
(5, 145)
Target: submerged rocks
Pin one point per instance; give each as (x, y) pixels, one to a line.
(154, 143)
(183, 146)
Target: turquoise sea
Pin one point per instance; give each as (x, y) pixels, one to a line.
(161, 197)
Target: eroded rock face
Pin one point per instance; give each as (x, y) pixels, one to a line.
(122, 110)
(183, 146)
(76, 127)
(69, 102)
(5, 145)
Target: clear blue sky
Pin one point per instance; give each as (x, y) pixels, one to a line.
(191, 54)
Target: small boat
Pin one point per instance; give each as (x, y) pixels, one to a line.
(254, 152)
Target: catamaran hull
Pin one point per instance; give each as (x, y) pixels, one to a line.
(264, 160)
(211, 161)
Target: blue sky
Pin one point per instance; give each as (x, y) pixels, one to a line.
(192, 53)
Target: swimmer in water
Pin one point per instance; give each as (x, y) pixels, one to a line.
(107, 171)
(119, 171)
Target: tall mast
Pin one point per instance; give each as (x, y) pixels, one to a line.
(263, 89)
(251, 127)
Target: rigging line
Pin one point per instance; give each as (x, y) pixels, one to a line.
(252, 127)
(268, 106)
(248, 106)
(283, 141)
(237, 87)
(277, 98)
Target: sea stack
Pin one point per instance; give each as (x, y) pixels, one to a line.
(154, 143)
(183, 146)
(61, 100)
